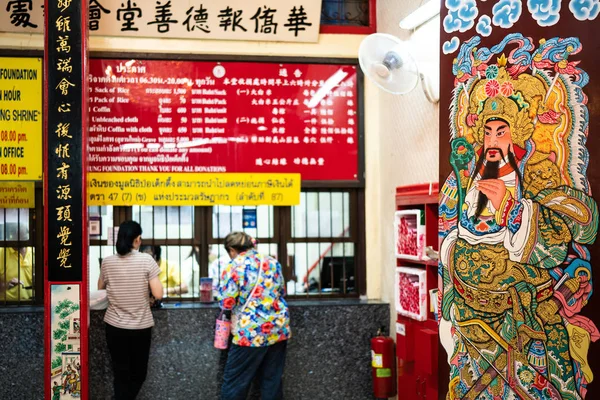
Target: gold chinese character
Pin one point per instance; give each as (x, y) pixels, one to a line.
(64, 65)
(63, 171)
(63, 44)
(62, 151)
(63, 257)
(62, 130)
(63, 4)
(63, 86)
(64, 235)
(64, 192)
(63, 213)
(63, 24)
(64, 107)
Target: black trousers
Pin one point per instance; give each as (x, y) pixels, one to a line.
(129, 350)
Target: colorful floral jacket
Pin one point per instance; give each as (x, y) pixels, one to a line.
(265, 320)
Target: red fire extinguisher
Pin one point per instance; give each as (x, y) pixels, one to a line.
(383, 363)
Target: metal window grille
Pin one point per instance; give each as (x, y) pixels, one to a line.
(316, 242)
(319, 243)
(21, 255)
(322, 245)
(345, 12)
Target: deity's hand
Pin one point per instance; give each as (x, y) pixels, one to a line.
(494, 189)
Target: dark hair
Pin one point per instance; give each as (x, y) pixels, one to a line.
(157, 253)
(128, 232)
(195, 252)
(239, 241)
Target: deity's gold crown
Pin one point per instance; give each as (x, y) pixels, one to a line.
(499, 96)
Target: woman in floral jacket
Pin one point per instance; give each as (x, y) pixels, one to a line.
(252, 287)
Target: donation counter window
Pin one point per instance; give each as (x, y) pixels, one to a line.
(321, 246)
(257, 221)
(316, 242)
(20, 269)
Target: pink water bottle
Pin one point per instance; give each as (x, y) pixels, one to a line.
(223, 329)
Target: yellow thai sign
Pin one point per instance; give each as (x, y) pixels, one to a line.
(189, 189)
(20, 119)
(17, 195)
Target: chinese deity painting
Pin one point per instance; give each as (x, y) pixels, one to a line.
(516, 220)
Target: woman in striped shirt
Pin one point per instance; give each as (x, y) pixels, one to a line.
(127, 276)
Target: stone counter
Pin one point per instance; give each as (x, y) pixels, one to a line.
(328, 356)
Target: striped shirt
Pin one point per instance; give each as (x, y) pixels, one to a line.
(126, 279)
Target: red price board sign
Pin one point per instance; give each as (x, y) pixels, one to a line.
(248, 117)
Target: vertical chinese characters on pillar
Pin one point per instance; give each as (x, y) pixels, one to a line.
(64, 71)
(65, 156)
(64, 138)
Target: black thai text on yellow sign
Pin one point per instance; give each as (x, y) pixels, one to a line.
(17, 195)
(186, 189)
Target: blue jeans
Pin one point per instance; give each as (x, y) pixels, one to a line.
(244, 363)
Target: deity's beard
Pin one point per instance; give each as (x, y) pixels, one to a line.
(491, 170)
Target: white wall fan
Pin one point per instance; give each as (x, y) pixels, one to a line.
(387, 62)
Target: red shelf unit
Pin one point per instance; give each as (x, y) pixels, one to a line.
(417, 346)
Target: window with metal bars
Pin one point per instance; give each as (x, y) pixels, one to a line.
(348, 16)
(318, 242)
(21, 256)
